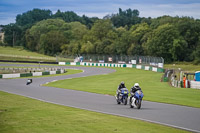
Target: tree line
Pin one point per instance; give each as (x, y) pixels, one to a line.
(123, 33)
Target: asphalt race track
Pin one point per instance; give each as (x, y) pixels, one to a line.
(182, 117)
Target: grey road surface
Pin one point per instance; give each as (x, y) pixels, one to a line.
(182, 117)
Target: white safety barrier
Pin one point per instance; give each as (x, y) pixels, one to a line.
(61, 63)
(138, 66)
(52, 72)
(195, 84)
(37, 74)
(11, 75)
(129, 65)
(154, 69)
(82, 63)
(62, 71)
(73, 63)
(146, 68)
(150, 68)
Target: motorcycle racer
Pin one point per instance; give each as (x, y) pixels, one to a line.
(133, 90)
(122, 85)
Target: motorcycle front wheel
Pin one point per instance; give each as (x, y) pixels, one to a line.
(138, 104)
(125, 100)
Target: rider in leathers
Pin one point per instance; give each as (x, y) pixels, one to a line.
(122, 85)
(133, 90)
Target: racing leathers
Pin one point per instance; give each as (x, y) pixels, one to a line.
(119, 89)
(133, 90)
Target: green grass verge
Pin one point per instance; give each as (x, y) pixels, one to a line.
(153, 89)
(19, 51)
(184, 67)
(29, 64)
(20, 54)
(21, 115)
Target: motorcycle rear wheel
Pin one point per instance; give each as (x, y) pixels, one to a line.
(118, 102)
(131, 105)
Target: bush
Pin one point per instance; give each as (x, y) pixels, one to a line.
(2, 43)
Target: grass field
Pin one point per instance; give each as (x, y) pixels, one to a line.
(19, 114)
(20, 54)
(188, 67)
(19, 51)
(153, 89)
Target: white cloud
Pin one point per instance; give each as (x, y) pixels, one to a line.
(101, 8)
(191, 10)
(7, 20)
(146, 10)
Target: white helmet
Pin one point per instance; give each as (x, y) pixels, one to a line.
(136, 85)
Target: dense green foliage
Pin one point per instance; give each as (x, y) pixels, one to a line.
(124, 33)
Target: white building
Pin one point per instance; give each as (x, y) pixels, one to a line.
(1, 35)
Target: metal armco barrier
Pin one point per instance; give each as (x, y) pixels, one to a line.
(144, 67)
(17, 75)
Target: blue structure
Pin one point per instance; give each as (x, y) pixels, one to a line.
(197, 75)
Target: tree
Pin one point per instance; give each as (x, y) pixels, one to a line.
(179, 49)
(88, 48)
(101, 28)
(48, 36)
(51, 42)
(128, 17)
(137, 34)
(12, 34)
(197, 54)
(33, 16)
(190, 31)
(78, 30)
(161, 42)
(88, 21)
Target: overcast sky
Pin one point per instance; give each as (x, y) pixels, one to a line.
(9, 9)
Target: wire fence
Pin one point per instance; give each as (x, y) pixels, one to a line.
(121, 59)
(143, 60)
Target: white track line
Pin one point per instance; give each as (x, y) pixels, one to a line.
(169, 125)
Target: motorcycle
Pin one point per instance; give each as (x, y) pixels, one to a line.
(123, 96)
(29, 81)
(136, 100)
